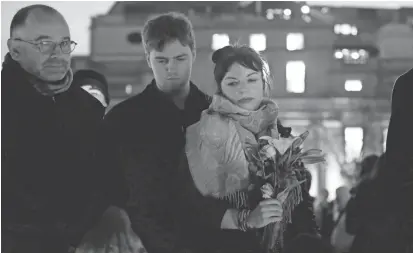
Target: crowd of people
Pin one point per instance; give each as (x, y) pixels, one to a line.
(80, 179)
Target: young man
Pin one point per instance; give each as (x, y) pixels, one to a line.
(52, 183)
(149, 132)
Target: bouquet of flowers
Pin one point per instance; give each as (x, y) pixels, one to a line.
(274, 166)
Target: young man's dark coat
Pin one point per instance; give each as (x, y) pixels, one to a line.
(148, 132)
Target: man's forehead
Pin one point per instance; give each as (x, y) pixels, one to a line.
(40, 16)
(172, 49)
(170, 54)
(44, 25)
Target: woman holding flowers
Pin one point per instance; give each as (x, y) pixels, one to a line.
(233, 153)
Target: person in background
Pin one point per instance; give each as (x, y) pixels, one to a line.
(389, 227)
(368, 168)
(324, 212)
(340, 239)
(94, 83)
(342, 197)
(396, 178)
(363, 217)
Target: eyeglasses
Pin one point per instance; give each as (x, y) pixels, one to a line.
(67, 46)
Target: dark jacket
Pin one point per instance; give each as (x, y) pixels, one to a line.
(400, 133)
(399, 149)
(377, 226)
(387, 210)
(398, 174)
(148, 133)
(50, 187)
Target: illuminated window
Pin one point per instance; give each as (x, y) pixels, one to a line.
(353, 56)
(287, 14)
(270, 14)
(279, 13)
(305, 9)
(219, 41)
(295, 76)
(353, 85)
(258, 42)
(385, 138)
(345, 29)
(353, 137)
(295, 41)
(338, 54)
(128, 89)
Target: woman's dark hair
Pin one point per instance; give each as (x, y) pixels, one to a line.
(244, 55)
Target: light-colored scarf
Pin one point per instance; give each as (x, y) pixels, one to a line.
(258, 122)
(261, 122)
(52, 89)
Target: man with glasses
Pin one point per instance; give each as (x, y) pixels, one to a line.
(52, 182)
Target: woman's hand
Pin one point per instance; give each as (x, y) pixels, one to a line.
(268, 211)
(113, 234)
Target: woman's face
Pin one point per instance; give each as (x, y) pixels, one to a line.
(243, 86)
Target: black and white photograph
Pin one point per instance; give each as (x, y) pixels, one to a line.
(207, 127)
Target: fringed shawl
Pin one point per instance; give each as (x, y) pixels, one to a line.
(215, 147)
(216, 157)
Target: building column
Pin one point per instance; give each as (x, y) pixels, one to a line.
(317, 129)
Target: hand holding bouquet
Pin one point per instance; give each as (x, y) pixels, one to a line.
(274, 164)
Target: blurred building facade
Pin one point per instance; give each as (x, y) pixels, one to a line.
(333, 68)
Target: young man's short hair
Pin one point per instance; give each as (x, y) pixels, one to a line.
(165, 28)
